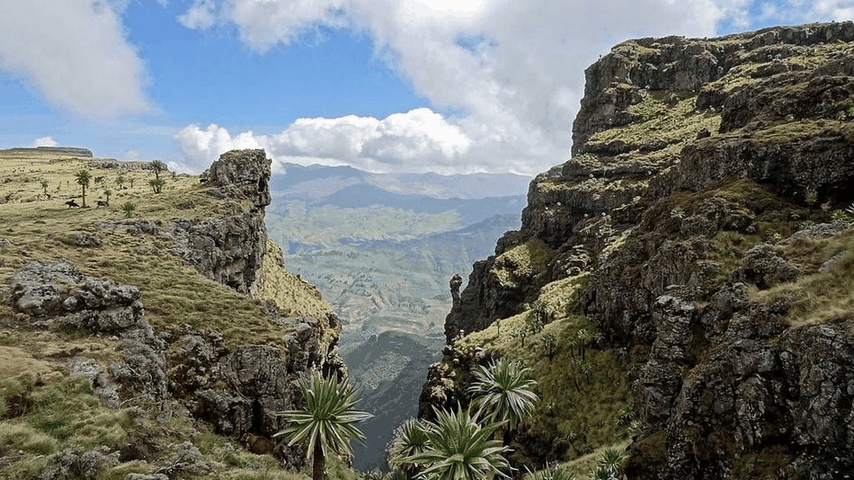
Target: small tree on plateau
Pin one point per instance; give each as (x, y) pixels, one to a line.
(157, 184)
(158, 167)
(326, 423)
(82, 178)
(44, 186)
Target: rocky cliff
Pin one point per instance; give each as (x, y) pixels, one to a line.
(703, 213)
(130, 309)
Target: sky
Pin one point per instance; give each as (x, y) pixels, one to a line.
(444, 86)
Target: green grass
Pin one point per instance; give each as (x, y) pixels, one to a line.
(64, 414)
(42, 418)
(816, 297)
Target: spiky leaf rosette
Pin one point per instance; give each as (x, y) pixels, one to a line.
(459, 448)
(409, 440)
(505, 391)
(328, 418)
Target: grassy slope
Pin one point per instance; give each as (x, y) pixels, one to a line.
(44, 411)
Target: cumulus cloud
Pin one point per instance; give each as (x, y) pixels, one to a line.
(513, 70)
(418, 140)
(199, 147)
(75, 53)
(200, 16)
(44, 142)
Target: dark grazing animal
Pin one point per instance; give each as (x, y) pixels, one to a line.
(259, 444)
(71, 203)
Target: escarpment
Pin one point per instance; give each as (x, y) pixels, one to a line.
(703, 213)
(183, 316)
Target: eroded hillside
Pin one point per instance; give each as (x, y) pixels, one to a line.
(150, 333)
(699, 237)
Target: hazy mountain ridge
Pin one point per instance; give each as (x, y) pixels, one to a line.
(318, 181)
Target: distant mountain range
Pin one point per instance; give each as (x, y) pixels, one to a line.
(381, 249)
(318, 181)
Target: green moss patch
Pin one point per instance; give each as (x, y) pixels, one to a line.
(522, 261)
(663, 123)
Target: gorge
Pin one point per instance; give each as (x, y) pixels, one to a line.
(693, 263)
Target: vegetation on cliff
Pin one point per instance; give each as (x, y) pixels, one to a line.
(702, 222)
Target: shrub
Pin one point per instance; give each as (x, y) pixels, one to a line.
(549, 342)
(128, 208)
(157, 184)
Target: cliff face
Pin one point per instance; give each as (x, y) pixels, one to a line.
(702, 171)
(170, 344)
(230, 247)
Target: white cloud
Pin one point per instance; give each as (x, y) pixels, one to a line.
(131, 154)
(838, 10)
(44, 142)
(75, 53)
(514, 70)
(418, 140)
(200, 16)
(201, 147)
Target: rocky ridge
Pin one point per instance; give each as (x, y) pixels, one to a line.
(185, 371)
(692, 202)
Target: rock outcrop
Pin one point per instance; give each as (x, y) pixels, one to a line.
(58, 293)
(698, 169)
(230, 248)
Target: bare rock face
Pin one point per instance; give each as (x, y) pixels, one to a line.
(230, 248)
(241, 392)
